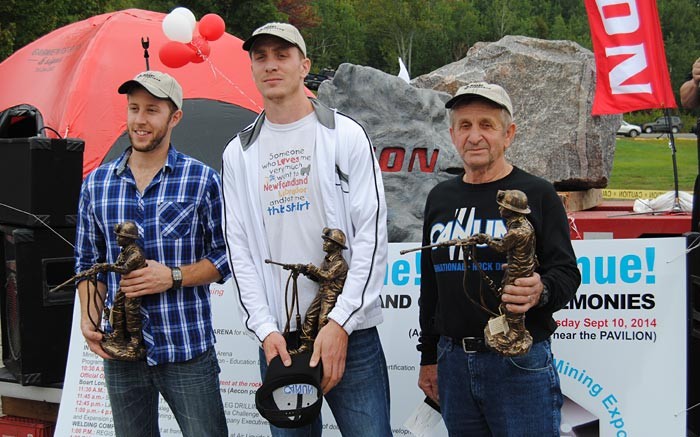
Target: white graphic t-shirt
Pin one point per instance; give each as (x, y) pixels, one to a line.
(291, 201)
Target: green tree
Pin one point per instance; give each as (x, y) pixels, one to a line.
(338, 37)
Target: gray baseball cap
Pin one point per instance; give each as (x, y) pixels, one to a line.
(488, 91)
(285, 31)
(161, 85)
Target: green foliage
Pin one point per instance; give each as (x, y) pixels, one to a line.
(426, 34)
(339, 38)
(647, 164)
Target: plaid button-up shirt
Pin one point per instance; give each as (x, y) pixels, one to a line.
(179, 220)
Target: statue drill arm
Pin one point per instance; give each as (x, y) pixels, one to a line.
(336, 270)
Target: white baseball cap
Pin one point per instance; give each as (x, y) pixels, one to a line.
(285, 31)
(489, 91)
(161, 85)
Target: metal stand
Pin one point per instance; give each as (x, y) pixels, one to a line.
(145, 43)
(672, 144)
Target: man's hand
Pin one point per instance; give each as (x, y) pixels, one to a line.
(93, 337)
(428, 382)
(331, 347)
(152, 279)
(524, 294)
(696, 72)
(275, 344)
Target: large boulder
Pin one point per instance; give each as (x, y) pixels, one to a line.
(551, 84)
(409, 130)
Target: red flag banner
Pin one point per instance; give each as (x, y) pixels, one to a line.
(631, 69)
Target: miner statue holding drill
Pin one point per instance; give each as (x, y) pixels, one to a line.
(330, 277)
(125, 342)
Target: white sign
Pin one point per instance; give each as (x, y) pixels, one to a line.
(620, 350)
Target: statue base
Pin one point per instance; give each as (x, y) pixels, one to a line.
(119, 349)
(516, 341)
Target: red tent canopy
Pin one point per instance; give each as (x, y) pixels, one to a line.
(72, 74)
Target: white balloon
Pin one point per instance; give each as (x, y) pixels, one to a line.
(177, 28)
(187, 13)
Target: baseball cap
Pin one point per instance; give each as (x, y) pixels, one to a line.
(285, 31)
(488, 91)
(161, 85)
(290, 397)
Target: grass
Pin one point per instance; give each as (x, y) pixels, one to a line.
(647, 164)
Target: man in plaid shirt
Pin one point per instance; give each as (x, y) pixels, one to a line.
(175, 202)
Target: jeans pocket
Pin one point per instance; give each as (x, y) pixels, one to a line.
(538, 359)
(443, 347)
(175, 219)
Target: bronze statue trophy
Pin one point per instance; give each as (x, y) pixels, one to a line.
(505, 333)
(125, 342)
(330, 277)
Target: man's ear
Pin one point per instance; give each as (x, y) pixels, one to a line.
(510, 135)
(175, 118)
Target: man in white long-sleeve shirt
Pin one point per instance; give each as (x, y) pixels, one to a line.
(301, 167)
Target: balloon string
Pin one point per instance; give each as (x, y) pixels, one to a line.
(216, 70)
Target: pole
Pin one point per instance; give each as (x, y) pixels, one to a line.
(145, 42)
(695, 217)
(672, 144)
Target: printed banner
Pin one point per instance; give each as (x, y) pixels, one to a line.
(620, 350)
(632, 73)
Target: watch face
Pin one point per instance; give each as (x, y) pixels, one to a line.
(177, 277)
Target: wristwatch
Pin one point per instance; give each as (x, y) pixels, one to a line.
(177, 277)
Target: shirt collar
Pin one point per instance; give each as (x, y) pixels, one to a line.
(123, 160)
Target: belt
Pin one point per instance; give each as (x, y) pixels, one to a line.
(470, 344)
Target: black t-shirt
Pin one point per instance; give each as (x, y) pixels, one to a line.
(455, 209)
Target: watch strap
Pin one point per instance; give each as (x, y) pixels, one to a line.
(177, 277)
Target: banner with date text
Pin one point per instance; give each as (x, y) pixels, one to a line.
(620, 350)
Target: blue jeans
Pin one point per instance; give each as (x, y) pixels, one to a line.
(486, 394)
(190, 388)
(360, 402)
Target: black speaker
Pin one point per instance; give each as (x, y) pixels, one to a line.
(41, 180)
(36, 323)
(693, 263)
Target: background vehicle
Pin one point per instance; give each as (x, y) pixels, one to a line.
(629, 130)
(313, 81)
(660, 125)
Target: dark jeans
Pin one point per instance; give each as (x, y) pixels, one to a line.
(190, 388)
(483, 394)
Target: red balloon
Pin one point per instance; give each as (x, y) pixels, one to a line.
(211, 27)
(175, 54)
(201, 49)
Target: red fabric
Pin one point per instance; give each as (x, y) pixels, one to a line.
(632, 73)
(72, 74)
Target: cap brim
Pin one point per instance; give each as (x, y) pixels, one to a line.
(129, 85)
(450, 103)
(454, 100)
(249, 42)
